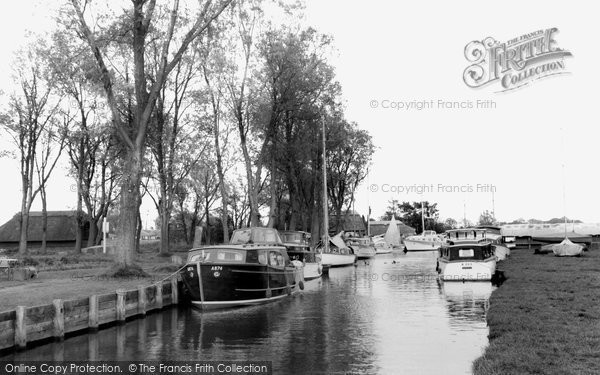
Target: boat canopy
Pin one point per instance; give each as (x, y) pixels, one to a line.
(274, 256)
(490, 228)
(295, 237)
(466, 234)
(256, 235)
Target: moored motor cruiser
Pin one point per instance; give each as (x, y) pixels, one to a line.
(466, 256)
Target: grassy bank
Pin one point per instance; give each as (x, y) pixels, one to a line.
(70, 275)
(545, 319)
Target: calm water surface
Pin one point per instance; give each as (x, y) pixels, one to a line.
(389, 316)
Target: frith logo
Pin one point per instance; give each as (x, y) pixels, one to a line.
(515, 63)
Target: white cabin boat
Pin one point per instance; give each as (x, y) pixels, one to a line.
(337, 254)
(298, 248)
(363, 247)
(382, 246)
(426, 241)
(493, 233)
(466, 256)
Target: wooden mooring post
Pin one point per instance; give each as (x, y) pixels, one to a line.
(20, 328)
(174, 290)
(142, 299)
(59, 319)
(121, 305)
(159, 295)
(93, 313)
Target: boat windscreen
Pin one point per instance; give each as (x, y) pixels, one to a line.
(292, 237)
(219, 255)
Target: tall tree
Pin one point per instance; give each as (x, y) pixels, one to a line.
(52, 144)
(90, 142)
(486, 218)
(243, 90)
(347, 164)
(31, 112)
(175, 146)
(146, 90)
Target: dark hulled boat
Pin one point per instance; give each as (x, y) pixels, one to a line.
(253, 269)
(298, 248)
(239, 275)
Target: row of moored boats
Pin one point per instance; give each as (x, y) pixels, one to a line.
(261, 265)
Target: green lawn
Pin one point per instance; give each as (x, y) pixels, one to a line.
(545, 319)
(69, 276)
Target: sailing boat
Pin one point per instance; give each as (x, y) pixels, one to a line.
(339, 254)
(392, 236)
(566, 248)
(426, 241)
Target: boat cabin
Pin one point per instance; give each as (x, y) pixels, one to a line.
(298, 246)
(467, 252)
(491, 229)
(256, 235)
(466, 235)
(429, 233)
(362, 241)
(273, 256)
(298, 238)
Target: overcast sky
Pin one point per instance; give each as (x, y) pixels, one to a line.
(391, 51)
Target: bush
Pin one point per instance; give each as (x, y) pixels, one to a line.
(69, 259)
(29, 261)
(130, 271)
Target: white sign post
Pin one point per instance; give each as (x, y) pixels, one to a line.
(105, 228)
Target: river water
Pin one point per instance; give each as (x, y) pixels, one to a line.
(389, 315)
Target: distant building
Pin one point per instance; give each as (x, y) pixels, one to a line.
(380, 227)
(61, 231)
(150, 234)
(351, 222)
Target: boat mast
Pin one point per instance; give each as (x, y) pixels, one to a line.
(369, 204)
(325, 204)
(562, 143)
(493, 206)
(422, 217)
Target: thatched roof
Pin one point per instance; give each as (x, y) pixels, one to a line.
(62, 226)
(352, 222)
(380, 227)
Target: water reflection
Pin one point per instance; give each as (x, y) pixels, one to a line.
(387, 316)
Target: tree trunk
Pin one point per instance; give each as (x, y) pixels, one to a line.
(184, 224)
(24, 218)
(164, 228)
(138, 229)
(44, 219)
(129, 208)
(207, 216)
(273, 204)
(252, 196)
(93, 234)
(223, 189)
(24, 221)
(79, 219)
